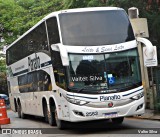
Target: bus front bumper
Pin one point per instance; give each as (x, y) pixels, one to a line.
(84, 113)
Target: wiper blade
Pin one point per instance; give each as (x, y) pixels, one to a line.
(92, 86)
(81, 89)
(77, 89)
(88, 87)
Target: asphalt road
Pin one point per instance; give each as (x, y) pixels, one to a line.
(130, 127)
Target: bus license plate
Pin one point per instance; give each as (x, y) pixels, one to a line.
(110, 115)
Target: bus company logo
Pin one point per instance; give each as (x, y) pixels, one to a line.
(107, 98)
(33, 63)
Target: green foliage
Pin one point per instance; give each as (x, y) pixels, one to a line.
(95, 3)
(17, 16)
(126, 4)
(26, 4)
(3, 79)
(11, 19)
(3, 83)
(68, 4)
(2, 66)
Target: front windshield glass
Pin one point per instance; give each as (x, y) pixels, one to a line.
(113, 72)
(95, 28)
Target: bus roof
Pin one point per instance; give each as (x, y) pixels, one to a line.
(82, 10)
(55, 14)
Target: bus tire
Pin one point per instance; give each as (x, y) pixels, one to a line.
(51, 118)
(60, 123)
(118, 120)
(19, 110)
(20, 113)
(45, 111)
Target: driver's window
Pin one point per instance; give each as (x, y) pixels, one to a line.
(58, 69)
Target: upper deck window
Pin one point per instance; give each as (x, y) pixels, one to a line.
(53, 33)
(34, 41)
(95, 28)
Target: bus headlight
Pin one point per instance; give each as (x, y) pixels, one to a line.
(138, 96)
(77, 101)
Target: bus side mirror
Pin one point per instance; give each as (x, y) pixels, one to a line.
(63, 53)
(149, 46)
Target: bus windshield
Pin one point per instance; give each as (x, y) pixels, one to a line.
(113, 72)
(95, 28)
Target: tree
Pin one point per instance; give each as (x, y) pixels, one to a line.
(17, 16)
(3, 78)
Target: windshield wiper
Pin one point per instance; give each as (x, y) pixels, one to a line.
(92, 86)
(85, 87)
(81, 89)
(77, 89)
(88, 87)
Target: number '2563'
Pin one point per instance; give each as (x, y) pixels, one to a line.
(91, 113)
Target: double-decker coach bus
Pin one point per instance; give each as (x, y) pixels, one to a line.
(76, 65)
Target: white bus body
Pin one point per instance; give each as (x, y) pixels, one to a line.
(77, 65)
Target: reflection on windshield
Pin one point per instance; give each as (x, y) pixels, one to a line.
(111, 72)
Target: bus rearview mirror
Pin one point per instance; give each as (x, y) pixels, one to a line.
(149, 46)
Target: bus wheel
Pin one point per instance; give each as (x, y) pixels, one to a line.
(20, 113)
(46, 112)
(60, 123)
(19, 110)
(51, 117)
(118, 120)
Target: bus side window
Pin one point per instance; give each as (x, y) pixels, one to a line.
(23, 83)
(32, 81)
(34, 41)
(59, 69)
(44, 81)
(37, 39)
(53, 32)
(41, 37)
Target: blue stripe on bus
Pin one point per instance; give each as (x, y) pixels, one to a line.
(20, 72)
(82, 96)
(46, 63)
(97, 98)
(132, 92)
